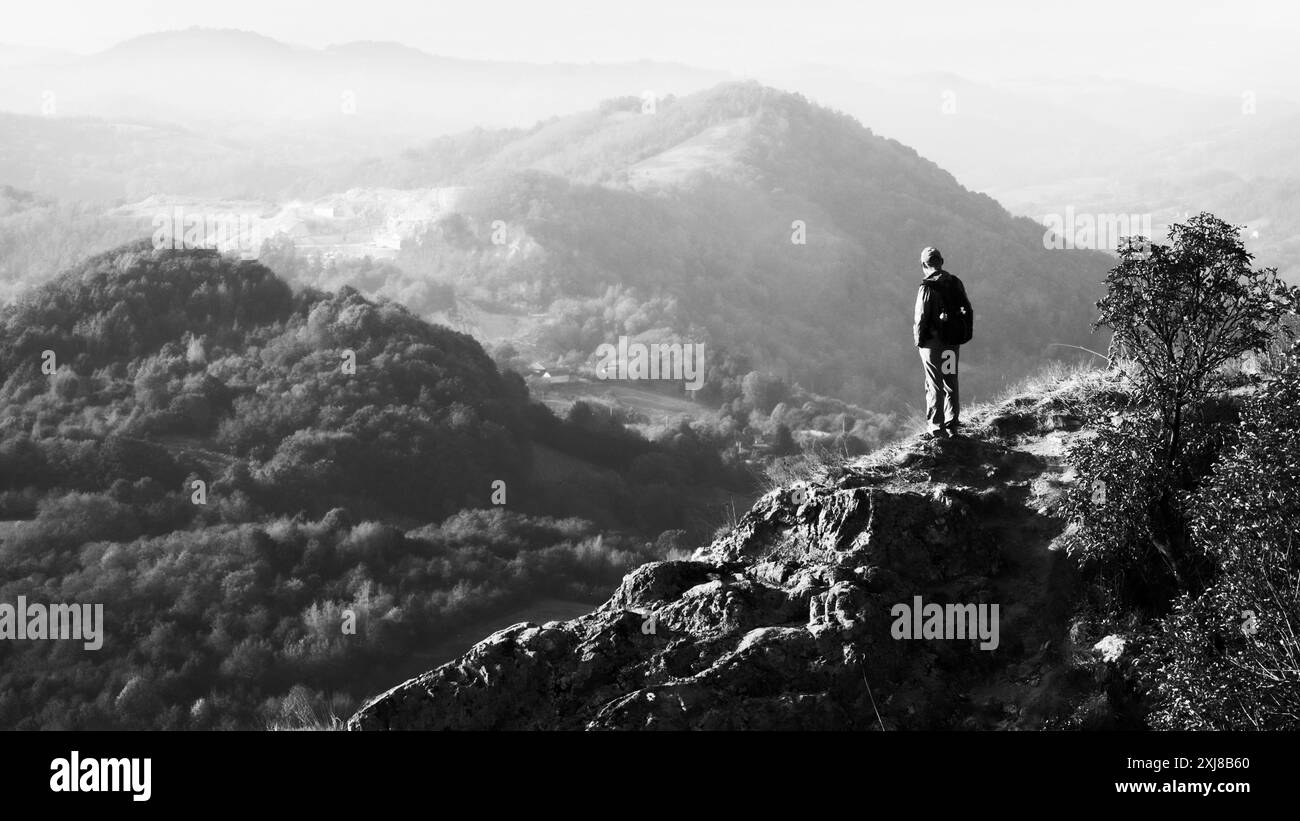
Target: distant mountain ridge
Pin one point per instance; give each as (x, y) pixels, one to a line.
(388, 93)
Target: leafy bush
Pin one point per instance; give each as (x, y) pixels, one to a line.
(1230, 657)
(1114, 508)
(1127, 509)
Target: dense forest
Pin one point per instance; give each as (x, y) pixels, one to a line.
(228, 466)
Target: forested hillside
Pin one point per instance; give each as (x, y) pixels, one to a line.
(229, 466)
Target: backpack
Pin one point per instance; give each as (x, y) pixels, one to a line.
(959, 327)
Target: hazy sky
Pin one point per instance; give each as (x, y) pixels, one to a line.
(1198, 44)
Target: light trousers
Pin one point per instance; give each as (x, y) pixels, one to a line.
(942, 405)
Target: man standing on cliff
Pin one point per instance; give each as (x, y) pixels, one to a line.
(944, 322)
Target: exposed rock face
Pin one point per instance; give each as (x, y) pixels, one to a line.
(785, 623)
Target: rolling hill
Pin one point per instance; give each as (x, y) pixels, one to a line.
(782, 234)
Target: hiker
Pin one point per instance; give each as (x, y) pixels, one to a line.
(944, 322)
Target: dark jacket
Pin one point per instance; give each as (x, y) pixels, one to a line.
(925, 325)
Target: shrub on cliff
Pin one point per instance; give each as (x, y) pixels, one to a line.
(1230, 657)
(1179, 313)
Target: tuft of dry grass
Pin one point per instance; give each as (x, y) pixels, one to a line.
(1057, 385)
(330, 723)
(810, 466)
(302, 710)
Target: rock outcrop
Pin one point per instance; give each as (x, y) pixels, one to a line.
(786, 621)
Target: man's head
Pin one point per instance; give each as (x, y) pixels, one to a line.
(931, 260)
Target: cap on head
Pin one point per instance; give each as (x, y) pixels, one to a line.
(932, 258)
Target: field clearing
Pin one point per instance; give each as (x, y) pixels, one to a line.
(709, 151)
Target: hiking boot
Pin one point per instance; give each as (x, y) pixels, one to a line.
(930, 435)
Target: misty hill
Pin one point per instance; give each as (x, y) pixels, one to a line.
(188, 419)
(41, 236)
(1096, 145)
(109, 160)
(1242, 166)
(1018, 132)
(680, 223)
(292, 101)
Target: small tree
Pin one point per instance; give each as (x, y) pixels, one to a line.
(1183, 310)
(784, 444)
(763, 392)
(1180, 312)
